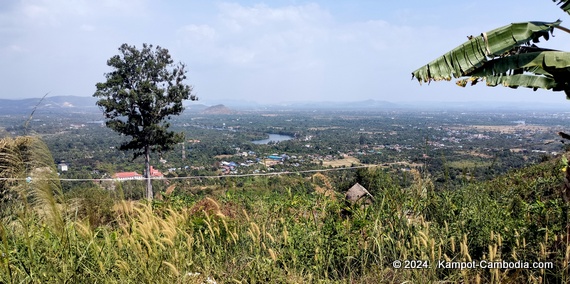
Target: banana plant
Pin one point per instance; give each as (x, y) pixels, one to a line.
(507, 56)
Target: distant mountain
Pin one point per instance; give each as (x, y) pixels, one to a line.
(193, 107)
(358, 105)
(232, 103)
(49, 105)
(73, 104)
(217, 109)
(88, 104)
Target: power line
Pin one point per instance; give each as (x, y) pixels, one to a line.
(234, 175)
(197, 177)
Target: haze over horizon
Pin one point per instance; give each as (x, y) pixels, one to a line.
(261, 51)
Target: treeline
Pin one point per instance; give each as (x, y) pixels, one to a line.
(442, 141)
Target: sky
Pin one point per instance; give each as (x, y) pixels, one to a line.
(261, 51)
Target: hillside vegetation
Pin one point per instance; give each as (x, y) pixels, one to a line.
(280, 229)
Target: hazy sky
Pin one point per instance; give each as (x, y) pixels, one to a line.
(263, 51)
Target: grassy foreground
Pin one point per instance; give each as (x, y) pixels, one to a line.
(292, 234)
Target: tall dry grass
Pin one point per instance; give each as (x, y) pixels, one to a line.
(260, 236)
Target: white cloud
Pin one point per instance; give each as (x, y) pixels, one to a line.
(14, 48)
(259, 33)
(60, 45)
(194, 32)
(256, 52)
(265, 52)
(263, 15)
(293, 52)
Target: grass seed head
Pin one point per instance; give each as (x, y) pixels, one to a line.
(270, 237)
(272, 254)
(172, 268)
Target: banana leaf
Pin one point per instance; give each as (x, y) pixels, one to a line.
(522, 80)
(548, 63)
(564, 5)
(544, 69)
(470, 56)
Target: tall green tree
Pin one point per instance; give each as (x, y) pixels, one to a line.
(507, 56)
(144, 90)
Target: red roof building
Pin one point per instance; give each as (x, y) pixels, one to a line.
(127, 176)
(155, 173)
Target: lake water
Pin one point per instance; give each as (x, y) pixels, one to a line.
(274, 138)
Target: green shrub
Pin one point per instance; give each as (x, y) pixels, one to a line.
(93, 204)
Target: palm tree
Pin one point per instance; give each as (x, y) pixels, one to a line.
(506, 56)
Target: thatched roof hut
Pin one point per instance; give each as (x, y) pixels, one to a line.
(357, 193)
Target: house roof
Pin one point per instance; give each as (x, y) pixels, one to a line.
(153, 173)
(356, 192)
(126, 175)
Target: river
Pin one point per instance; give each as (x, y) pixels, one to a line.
(274, 138)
